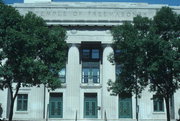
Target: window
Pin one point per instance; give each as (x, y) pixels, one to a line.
(62, 75)
(55, 105)
(95, 53)
(125, 107)
(90, 105)
(118, 70)
(90, 72)
(22, 102)
(158, 103)
(90, 54)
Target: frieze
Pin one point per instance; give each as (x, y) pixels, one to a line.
(67, 14)
(88, 14)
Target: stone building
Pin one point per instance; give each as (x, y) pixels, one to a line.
(84, 95)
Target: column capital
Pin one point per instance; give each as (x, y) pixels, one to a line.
(74, 45)
(106, 45)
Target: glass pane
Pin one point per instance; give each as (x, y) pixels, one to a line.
(155, 106)
(93, 108)
(87, 108)
(59, 108)
(95, 54)
(86, 53)
(95, 75)
(85, 75)
(25, 105)
(161, 105)
(20, 96)
(19, 105)
(62, 75)
(52, 108)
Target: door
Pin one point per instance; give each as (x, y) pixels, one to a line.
(90, 107)
(125, 108)
(55, 106)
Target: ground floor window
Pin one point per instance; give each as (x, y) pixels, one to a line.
(125, 107)
(90, 105)
(22, 102)
(56, 105)
(158, 103)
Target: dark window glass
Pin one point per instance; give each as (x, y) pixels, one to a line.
(56, 105)
(90, 54)
(22, 102)
(90, 105)
(158, 104)
(86, 53)
(125, 107)
(95, 54)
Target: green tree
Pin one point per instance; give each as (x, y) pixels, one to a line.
(31, 53)
(149, 55)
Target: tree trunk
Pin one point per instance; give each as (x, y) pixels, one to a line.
(167, 108)
(13, 99)
(11, 109)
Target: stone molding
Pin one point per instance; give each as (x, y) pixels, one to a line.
(89, 13)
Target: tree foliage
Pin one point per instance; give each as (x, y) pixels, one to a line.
(149, 55)
(31, 53)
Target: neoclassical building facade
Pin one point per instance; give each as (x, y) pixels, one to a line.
(84, 95)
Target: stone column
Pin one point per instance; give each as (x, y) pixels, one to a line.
(73, 83)
(109, 103)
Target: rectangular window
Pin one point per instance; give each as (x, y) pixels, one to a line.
(125, 107)
(90, 72)
(55, 105)
(158, 103)
(90, 105)
(90, 54)
(95, 53)
(22, 102)
(62, 75)
(118, 70)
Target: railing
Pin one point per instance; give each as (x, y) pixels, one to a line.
(90, 79)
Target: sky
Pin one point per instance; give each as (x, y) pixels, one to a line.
(169, 2)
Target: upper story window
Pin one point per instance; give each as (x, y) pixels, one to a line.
(91, 52)
(62, 75)
(90, 72)
(91, 58)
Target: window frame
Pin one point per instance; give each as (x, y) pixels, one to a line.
(90, 54)
(90, 67)
(23, 99)
(91, 98)
(62, 76)
(56, 98)
(158, 101)
(125, 99)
